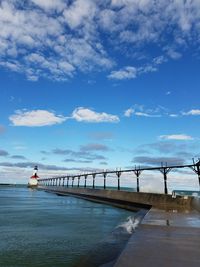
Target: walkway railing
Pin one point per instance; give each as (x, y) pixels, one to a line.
(164, 169)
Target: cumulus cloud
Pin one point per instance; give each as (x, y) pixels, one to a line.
(35, 118)
(87, 115)
(159, 111)
(65, 37)
(80, 12)
(128, 112)
(125, 73)
(130, 72)
(176, 137)
(3, 153)
(36, 41)
(192, 112)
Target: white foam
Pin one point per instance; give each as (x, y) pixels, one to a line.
(128, 226)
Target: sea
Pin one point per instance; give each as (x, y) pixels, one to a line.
(40, 229)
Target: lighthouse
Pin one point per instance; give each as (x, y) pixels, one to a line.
(33, 179)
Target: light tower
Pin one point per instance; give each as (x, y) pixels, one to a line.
(33, 179)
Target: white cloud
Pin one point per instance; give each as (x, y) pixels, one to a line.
(87, 115)
(159, 60)
(40, 26)
(176, 137)
(124, 73)
(35, 118)
(143, 114)
(193, 112)
(173, 115)
(174, 54)
(83, 35)
(130, 72)
(50, 4)
(79, 12)
(141, 111)
(128, 112)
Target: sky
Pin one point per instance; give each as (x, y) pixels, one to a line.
(92, 85)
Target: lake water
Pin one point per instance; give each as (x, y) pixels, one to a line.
(43, 229)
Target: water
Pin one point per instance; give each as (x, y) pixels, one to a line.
(187, 193)
(43, 229)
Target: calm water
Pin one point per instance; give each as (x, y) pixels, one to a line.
(43, 229)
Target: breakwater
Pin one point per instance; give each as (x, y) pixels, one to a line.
(124, 199)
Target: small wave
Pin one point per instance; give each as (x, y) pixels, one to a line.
(127, 227)
(106, 252)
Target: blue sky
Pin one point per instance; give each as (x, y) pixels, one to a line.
(97, 84)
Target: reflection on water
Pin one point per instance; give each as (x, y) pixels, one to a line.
(42, 229)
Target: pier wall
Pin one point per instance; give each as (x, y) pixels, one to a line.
(125, 199)
(196, 203)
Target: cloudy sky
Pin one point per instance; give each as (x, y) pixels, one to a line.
(89, 85)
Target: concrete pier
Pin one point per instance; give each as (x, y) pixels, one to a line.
(169, 234)
(125, 199)
(164, 238)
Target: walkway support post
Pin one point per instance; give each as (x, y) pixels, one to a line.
(63, 184)
(137, 173)
(118, 179)
(165, 170)
(73, 181)
(85, 184)
(93, 180)
(79, 177)
(104, 180)
(196, 169)
(67, 181)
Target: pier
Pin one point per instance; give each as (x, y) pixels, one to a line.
(69, 180)
(169, 233)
